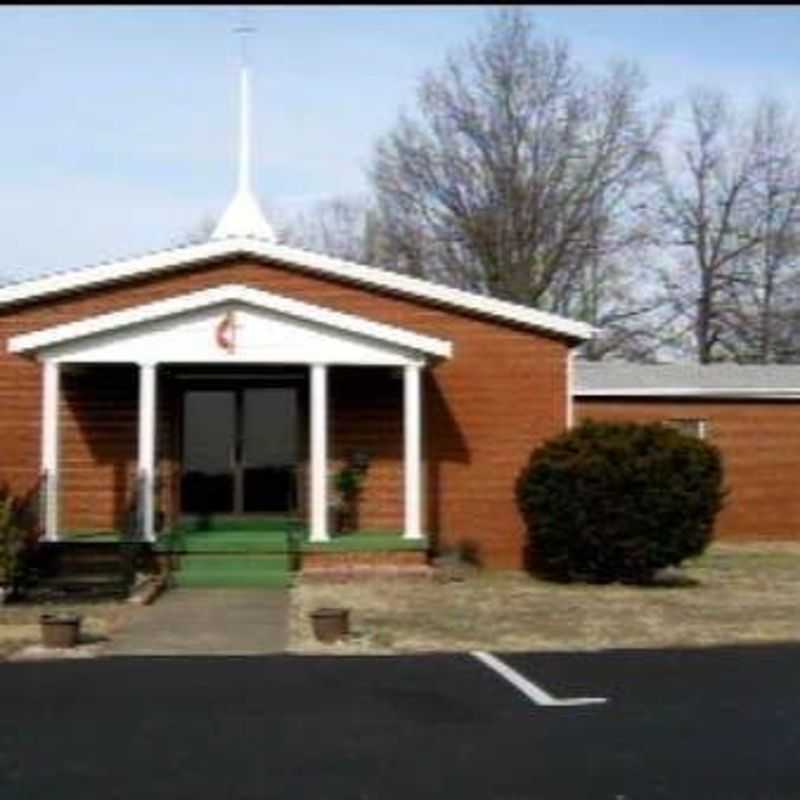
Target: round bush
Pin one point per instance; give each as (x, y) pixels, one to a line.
(606, 502)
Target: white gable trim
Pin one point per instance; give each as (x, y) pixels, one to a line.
(138, 315)
(185, 257)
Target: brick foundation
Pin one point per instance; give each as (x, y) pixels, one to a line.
(344, 567)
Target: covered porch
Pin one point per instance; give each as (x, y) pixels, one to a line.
(217, 409)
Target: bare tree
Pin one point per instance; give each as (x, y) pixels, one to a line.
(766, 308)
(519, 178)
(198, 233)
(611, 297)
(710, 210)
(343, 227)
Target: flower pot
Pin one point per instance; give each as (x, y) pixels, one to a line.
(330, 624)
(60, 630)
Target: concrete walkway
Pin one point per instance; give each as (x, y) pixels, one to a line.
(207, 622)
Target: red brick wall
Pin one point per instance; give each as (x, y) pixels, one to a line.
(500, 395)
(367, 414)
(760, 445)
(98, 445)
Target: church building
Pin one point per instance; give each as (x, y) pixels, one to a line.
(237, 378)
(240, 383)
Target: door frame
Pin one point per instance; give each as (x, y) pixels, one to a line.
(237, 384)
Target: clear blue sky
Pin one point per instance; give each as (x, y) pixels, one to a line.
(119, 123)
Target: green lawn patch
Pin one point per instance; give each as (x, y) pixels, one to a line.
(365, 542)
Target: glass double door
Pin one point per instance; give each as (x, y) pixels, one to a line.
(239, 450)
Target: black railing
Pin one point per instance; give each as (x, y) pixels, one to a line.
(294, 542)
(134, 527)
(40, 507)
(132, 537)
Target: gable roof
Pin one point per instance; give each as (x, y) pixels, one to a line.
(621, 379)
(204, 298)
(371, 277)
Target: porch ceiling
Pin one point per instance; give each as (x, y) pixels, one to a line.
(230, 324)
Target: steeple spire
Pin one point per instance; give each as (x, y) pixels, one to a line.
(244, 216)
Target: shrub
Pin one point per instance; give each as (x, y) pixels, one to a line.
(17, 535)
(606, 502)
(12, 546)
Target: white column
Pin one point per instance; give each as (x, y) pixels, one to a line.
(51, 379)
(147, 447)
(412, 451)
(319, 453)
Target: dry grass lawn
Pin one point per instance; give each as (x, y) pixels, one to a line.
(19, 623)
(743, 593)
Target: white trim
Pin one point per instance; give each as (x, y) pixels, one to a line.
(147, 447)
(319, 453)
(676, 423)
(51, 380)
(48, 337)
(412, 441)
(744, 393)
(185, 257)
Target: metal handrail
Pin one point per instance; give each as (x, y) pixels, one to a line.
(133, 530)
(42, 490)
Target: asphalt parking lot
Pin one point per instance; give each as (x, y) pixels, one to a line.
(714, 723)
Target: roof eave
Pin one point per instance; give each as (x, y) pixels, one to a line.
(393, 282)
(54, 336)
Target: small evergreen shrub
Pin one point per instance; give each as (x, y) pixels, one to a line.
(606, 502)
(14, 543)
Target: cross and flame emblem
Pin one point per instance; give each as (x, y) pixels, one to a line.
(226, 333)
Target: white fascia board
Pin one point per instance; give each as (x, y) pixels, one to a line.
(405, 284)
(388, 334)
(396, 282)
(732, 394)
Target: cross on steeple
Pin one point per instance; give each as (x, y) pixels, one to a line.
(243, 31)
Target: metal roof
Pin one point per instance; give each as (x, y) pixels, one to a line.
(624, 379)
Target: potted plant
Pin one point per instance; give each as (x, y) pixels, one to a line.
(349, 482)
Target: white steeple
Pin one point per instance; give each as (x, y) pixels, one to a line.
(244, 216)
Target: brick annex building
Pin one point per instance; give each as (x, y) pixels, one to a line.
(233, 378)
(751, 413)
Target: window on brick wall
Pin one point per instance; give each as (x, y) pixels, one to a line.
(690, 427)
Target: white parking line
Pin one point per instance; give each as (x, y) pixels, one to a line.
(529, 689)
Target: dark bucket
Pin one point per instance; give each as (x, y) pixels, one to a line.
(330, 624)
(60, 630)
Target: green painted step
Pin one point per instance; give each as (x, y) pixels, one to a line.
(276, 580)
(235, 563)
(364, 542)
(223, 523)
(233, 570)
(225, 542)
